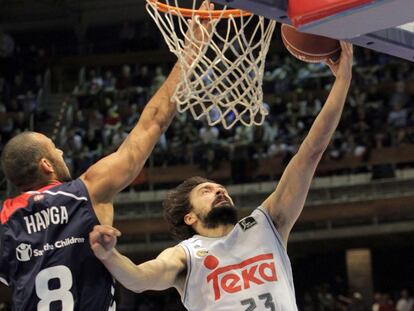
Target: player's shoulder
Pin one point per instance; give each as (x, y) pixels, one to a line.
(258, 216)
(190, 240)
(174, 256)
(72, 185)
(74, 189)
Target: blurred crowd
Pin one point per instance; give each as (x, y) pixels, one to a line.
(21, 97)
(109, 103)
(80, 40)
(323, 298)
(23, 82)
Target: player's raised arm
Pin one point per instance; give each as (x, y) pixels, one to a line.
(286, 203)
(157, 274)
(115, 172)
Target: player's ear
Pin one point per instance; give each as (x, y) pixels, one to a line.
(46, 166)
(190, 218)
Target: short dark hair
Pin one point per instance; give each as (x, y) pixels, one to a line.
(20, 161)
(177, 205)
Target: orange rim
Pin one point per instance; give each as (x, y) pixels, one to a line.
(165, 8)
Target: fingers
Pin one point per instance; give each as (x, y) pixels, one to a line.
(347, 48)
(198, 32)
(333, 68)
(107, 230)
(108, 239)
(331, 64)
(94, 237)
(102, 240)
(206, 5)
(103, 234)
(205, 22)
(98, 249)
(346, 45)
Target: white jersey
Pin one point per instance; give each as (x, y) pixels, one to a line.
(246, 270)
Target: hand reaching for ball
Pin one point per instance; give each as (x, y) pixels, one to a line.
(342, 69)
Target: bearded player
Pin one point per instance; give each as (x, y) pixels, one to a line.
(222, 264)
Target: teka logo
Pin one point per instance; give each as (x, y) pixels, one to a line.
(24, 252)
(235, 278)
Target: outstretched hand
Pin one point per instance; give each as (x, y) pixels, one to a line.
(198, 33)
(342, 69)
(103, 240)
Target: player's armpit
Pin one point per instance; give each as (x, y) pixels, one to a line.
(285, 204)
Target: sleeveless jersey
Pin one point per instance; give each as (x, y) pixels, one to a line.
(45, 256)
(246, 270)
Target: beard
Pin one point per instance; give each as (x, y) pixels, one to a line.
(223, 212)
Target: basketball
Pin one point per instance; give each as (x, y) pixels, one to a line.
(309, 47)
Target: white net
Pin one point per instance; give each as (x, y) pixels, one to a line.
(223, 83)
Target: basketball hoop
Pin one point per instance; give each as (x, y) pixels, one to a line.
(189, 13)
(223, 82)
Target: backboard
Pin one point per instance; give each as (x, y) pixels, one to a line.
(386, 26)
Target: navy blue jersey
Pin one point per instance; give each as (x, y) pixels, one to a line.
(45, 254)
